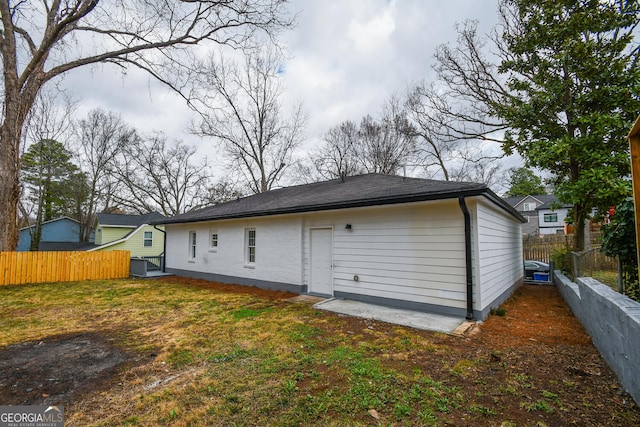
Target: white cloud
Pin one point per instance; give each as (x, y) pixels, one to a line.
(347, 57)
(369, 31)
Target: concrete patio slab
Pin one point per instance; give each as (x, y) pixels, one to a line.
(413, 319)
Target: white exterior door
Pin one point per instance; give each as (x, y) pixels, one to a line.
(321, 261)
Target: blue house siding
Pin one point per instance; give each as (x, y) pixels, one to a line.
(57, 230)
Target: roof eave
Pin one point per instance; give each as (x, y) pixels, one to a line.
(504, 205)
(120, 240)
(342, 205)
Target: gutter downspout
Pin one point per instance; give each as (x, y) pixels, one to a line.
(467, 253)
(164, 248)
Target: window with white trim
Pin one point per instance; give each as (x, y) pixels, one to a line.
(551, 217)
(250, 245)
(529, 206)
(213, 240)
(148, 238)
(192, 245)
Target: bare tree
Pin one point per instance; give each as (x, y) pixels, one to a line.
(472, 164)
(154, 175)
(450, 141)
(41, 40)
(240, 107)
(222, 191)
(338, 156)
(51, 117)
(389, 143)
(100, 138)
(471, 88)
(436, 149)
(375, 146)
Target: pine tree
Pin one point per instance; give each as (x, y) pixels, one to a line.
(47, 171)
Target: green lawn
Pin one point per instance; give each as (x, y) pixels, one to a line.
(207, 355)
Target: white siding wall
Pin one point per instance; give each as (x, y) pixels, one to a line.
(552, 227)
(278, 249)
(409, 252)
(499, 253)
(412, 252)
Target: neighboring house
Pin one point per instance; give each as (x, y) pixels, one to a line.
(129, 232)
(551, 221)
(446, 247)
(541, 219)
(61, 234)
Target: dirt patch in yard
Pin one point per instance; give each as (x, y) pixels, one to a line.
(55, 369)
(58, 369)
(236, 289)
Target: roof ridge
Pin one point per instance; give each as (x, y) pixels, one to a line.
(354, 191)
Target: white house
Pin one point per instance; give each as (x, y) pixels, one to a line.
(444, 247)
(541, 219)
(552, 221)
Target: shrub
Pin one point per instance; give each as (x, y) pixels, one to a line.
(498, 311)
(561, 258)
(619, 240)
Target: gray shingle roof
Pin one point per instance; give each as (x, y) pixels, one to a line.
(548, 205)
(354, 191)
(128, 220)
(542, 198)
(66, 246)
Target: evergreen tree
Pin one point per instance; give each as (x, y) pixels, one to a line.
(565, 86)
(524, 183)
(48, 172)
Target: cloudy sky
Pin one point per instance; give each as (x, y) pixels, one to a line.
(347, 57)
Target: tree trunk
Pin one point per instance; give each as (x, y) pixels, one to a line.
(580, 214)
(36, 237)
(9, 186)
(16, 107)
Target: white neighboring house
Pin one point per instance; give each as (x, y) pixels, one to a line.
(445, 247)
(541, 219)
(552, 221)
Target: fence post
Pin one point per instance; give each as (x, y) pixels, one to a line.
(620, 281)
(575, 265)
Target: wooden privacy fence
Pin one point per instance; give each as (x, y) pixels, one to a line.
(540, 248)
(18, 268)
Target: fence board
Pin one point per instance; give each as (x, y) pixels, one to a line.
(540, 248)
(18, 268)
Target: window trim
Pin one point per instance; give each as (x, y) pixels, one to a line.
(212, 247)
(528, 205)
(192, 246)
(550, 216)
(146, 239)
(249, 255)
